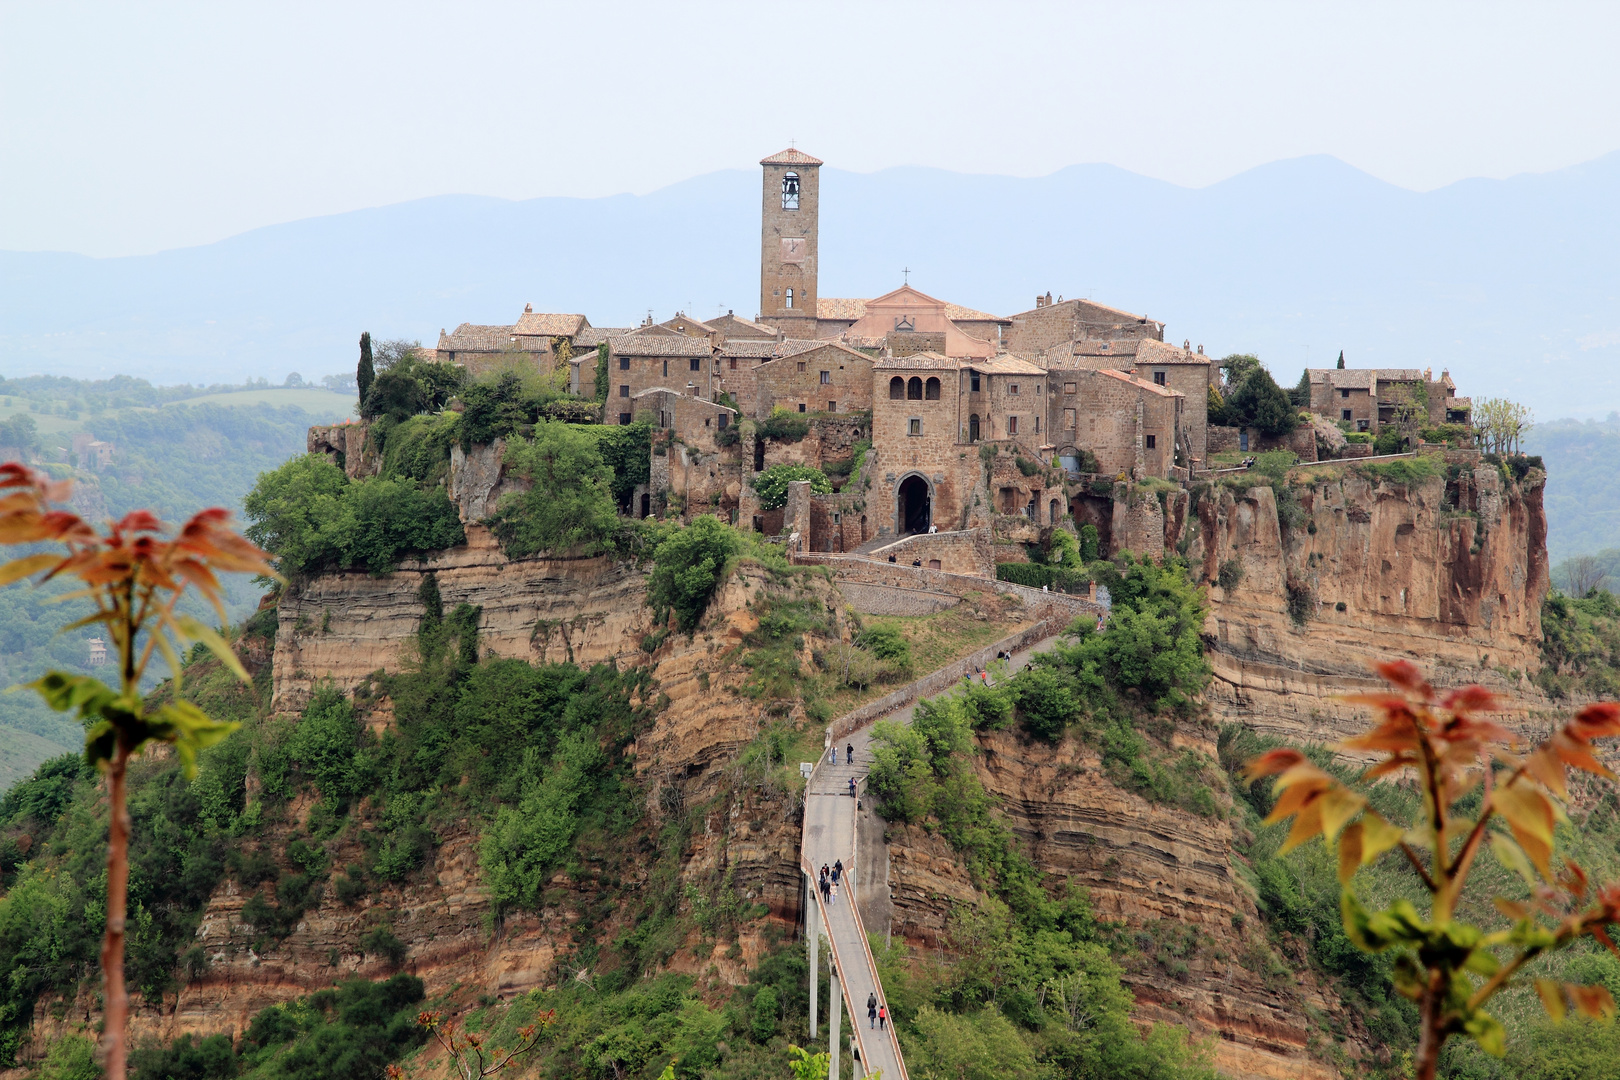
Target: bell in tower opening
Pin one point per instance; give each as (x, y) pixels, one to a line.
(790, 191)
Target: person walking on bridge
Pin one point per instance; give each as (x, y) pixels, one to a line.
(849, 753)
(871, 1012)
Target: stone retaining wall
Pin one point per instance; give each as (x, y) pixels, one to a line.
(892, 600)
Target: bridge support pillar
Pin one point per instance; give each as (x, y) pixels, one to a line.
(812, 937)
(835, 1008)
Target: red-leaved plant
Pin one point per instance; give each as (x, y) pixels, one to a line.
(466, 1051)
(135, 577)
(1452, 968)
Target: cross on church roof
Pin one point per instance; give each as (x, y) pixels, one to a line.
(905, 276)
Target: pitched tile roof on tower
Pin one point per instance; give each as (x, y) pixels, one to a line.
(791, 156)
(469, 337)
(659, 345)
(1141, 384)
(548, 324)
(832, 307)
(1149, 351)
(923, 361)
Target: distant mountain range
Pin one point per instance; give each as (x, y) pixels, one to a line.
(1512, 284)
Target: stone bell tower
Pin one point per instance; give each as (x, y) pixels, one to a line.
(787, 262)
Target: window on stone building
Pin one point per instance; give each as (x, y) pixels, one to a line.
(1068, 388)
(1037, 424)
(801, 365)
(832, 406)
(1037, 388)
(1012, 388)
(826, 377)
(973, 428)
(624, 418)
(789, 299)
(914, 426)
(624, 363)
(931, 389)
(973, 381)
(724, 420)
(1012, 425)
(666, 367)
(790, 193)
(897, 389)
(1361, 425)
(1152, 441)
(624, 389)
(733, 363)
(1158, 378)
(697, 364)
(914, 389)
(801, 406)
(1068, 419)
(1344, 393)
(1346, 413)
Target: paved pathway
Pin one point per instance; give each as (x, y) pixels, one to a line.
(829, 837)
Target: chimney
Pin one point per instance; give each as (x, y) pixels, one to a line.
(528, 309)
(1040, 301)
(1200, 350)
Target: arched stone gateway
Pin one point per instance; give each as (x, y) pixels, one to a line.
(914, 509)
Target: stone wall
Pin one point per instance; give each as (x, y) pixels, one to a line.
(967, 551)
(344, 445)
(796, 380)
(1138, 525)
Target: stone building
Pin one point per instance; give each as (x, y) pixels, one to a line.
(1186, 371)
(733, 327)
(483, 349)
(1131, 425)
(906, 314)
(1050, 325)
(824, 377)
(788, 243)
(646, 361)
(1369, 398)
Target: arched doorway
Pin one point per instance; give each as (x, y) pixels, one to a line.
(915, 509)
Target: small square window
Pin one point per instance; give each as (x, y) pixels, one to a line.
(1158, 378)
(801, 406)
(1068, 388)
(826, 377)
(624, 418)
(1012, 388)
(1344, 393)
(697, 365)
(624, 363)
(914, 426)
(832, 406)
(624, 389)
(733, 363)
(1346, 414)
(973, 381)
(724, 420)
(801, 365)
(1152, 441)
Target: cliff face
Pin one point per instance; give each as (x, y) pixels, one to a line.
(1447, 573)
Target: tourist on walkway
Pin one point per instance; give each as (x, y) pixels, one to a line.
(852, 787)
(838, 871)
(849, 753)
(883, 1017)
(871, 1012)
(832, 900)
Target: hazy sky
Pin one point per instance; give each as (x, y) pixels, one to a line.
(130, 128)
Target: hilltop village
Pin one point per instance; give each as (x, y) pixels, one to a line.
(952, 436)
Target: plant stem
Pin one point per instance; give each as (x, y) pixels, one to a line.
(115, 1011)
(1430, 1037)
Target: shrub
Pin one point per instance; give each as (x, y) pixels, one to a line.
(1231, 573)
(325, 745)
(569, 506)
(885, 643)
(1034, 575)
(381, 941)
(784, 426)
(1090, 543)
(1063, 550)
(689, 566)
(1261, 404)
(772, 483)
(1405, 471)
(1045, 703)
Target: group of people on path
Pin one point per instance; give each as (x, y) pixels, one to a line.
(829, 882)
(877, 1015)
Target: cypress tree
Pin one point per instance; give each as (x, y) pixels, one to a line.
(1341, 359)
(601, 372)
(366, 373)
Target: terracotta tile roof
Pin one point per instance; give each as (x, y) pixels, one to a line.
(659, 345)
(799, 346)
(1140, 384)
(1095, 347)
(1006, 365)
(1149, 351)
(828, 307)
(683, 322)
(592, 336)
(958, 313)
(749, 348)
(791, 156)
(923, 361)
(472, 338)
(1343, 378)
(548, 324)
(1459, 403)
(1409, 374)
(748, 324)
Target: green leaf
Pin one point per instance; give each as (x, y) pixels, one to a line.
(191, 730)
(1488, 1031)
(73, 693)
(1512, 856)
(217, 645)
(18, 569)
